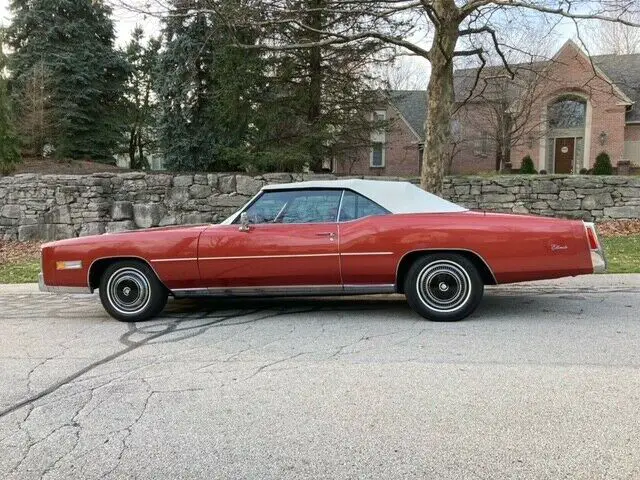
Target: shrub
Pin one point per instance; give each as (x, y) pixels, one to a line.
(527, 166)
(603, 165)
(584, 171)
(543, 172)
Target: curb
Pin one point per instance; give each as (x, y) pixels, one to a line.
(601, 280)
(19, 288)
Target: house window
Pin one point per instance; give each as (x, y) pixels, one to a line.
(481, 144)
(379, 116)
(567, 112)
(377, 155)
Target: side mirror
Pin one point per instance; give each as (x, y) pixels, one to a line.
(244, 222)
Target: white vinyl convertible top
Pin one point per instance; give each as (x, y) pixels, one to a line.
(397, 197)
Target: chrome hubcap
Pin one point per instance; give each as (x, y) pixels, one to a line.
(444, 286)
(128, 291)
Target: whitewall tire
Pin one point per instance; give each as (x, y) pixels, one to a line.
(131, 292)
(443, 287)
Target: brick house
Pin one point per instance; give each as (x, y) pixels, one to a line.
(562, 113)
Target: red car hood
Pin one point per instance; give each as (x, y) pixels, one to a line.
(130, 233)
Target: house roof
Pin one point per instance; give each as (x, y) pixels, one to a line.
(622, 70)
(412, 105)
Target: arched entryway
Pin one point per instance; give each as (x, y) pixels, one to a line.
(566, 132)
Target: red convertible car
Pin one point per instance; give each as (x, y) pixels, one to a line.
(342, 237)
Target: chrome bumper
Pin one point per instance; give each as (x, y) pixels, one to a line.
(47, 288)
(598, 261)
(41, 285)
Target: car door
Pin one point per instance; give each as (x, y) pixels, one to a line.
(367, 257)
(291, 244)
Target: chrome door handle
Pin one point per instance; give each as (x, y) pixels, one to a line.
(325, 234)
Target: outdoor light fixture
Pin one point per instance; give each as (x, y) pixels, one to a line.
(603, 137)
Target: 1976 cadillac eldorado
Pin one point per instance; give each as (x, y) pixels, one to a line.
(342, 237)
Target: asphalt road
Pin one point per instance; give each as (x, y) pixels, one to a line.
(542, 382)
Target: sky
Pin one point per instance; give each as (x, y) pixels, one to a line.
(125, 20)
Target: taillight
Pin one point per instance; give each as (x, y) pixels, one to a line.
(593, 239)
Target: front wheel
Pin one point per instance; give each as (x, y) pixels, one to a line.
(443, 287)
(131, 292)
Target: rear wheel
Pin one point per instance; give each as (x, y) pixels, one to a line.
(131, 292)
(443, 287)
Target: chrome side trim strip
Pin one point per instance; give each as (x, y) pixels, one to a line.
(369, 289)
(47, 288)
(284, 290)
(164, 260)
(255, 257)
(307, 255)
(364, 254)
(299, 290)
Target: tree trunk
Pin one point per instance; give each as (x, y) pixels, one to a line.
(132, 149)
(440, 98)
(315, 86)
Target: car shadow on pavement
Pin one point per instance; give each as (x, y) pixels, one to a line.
(186, 306)
(493, 305)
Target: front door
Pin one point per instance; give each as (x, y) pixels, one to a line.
(292, 242)
(565, 150)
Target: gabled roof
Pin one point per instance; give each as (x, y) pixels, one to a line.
(623, 71)
(412, 105)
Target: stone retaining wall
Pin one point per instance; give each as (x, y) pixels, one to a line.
(48, 207)
(587, 197)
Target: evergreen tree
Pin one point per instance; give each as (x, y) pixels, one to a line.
(9, 152)
(209, 90)
(324, 93)
(72, 41)
(527, 166)
(140, 102)
(603, 165)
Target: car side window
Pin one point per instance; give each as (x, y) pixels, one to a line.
(295, 206)
(355, 206)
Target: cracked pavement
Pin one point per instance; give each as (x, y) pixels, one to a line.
(542, 382)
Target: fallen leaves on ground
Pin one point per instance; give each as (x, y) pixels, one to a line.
(619, 228)
(18, 252)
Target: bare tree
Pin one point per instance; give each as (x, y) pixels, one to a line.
(501, 103)
(615, 38)
(449, 24)
(404, 73)
(35, 124)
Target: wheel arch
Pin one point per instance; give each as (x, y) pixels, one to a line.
(100, 265)
(486, 274)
